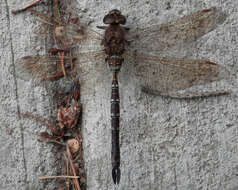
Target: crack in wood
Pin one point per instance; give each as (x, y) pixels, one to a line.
(16, 90)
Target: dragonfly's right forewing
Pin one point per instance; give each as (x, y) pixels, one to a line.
(67, 34)
(89, 63)
(48, 24)
(43, 67)
(46, 18)
(81, 37)
(37, 67)
(91, 40)
(91, 70)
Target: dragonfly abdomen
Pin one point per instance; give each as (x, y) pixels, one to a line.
(115, 123)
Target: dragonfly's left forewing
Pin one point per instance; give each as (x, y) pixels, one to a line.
(163, 75)
(177, 33)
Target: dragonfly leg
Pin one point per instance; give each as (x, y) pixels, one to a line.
(102, 27)
(126, 28)
(128, 42)
(26, 7)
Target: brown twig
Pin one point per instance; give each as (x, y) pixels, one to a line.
(67, 169)
(26, 7)
(69, 155)
(60, 176)
(29, 115)
(52, 141)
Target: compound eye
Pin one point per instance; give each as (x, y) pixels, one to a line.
(114, 17)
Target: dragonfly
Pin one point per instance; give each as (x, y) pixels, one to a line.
(160, 75)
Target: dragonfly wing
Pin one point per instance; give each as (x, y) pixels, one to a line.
(66, 33)
(89, 64)
(77, 31)
(162, 75)
(43, 66)
(46, 18)
(92, 39)
(47, 25)
(80, 36)
(70, 31)
(37, 67)
(177, 33)
(192, 94)
(92, 71)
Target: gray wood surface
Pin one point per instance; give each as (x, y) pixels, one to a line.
(166, 144)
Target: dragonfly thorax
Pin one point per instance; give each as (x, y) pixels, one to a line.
(114, 62)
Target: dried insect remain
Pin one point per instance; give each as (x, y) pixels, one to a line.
(67, 127)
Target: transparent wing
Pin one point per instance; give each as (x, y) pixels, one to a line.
(47, 18)
(42, 67)
(177, 33)
(37, 67)
(161, 75)
(48, 26)
(92, 71)
(81, 36)
(76, 28)
(89, 63)
(74, 32)
(66, 35)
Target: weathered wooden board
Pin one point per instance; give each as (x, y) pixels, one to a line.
(165, 143)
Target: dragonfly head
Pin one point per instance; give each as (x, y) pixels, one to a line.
(114, 17)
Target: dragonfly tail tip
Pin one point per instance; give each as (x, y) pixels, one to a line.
(116, 175)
